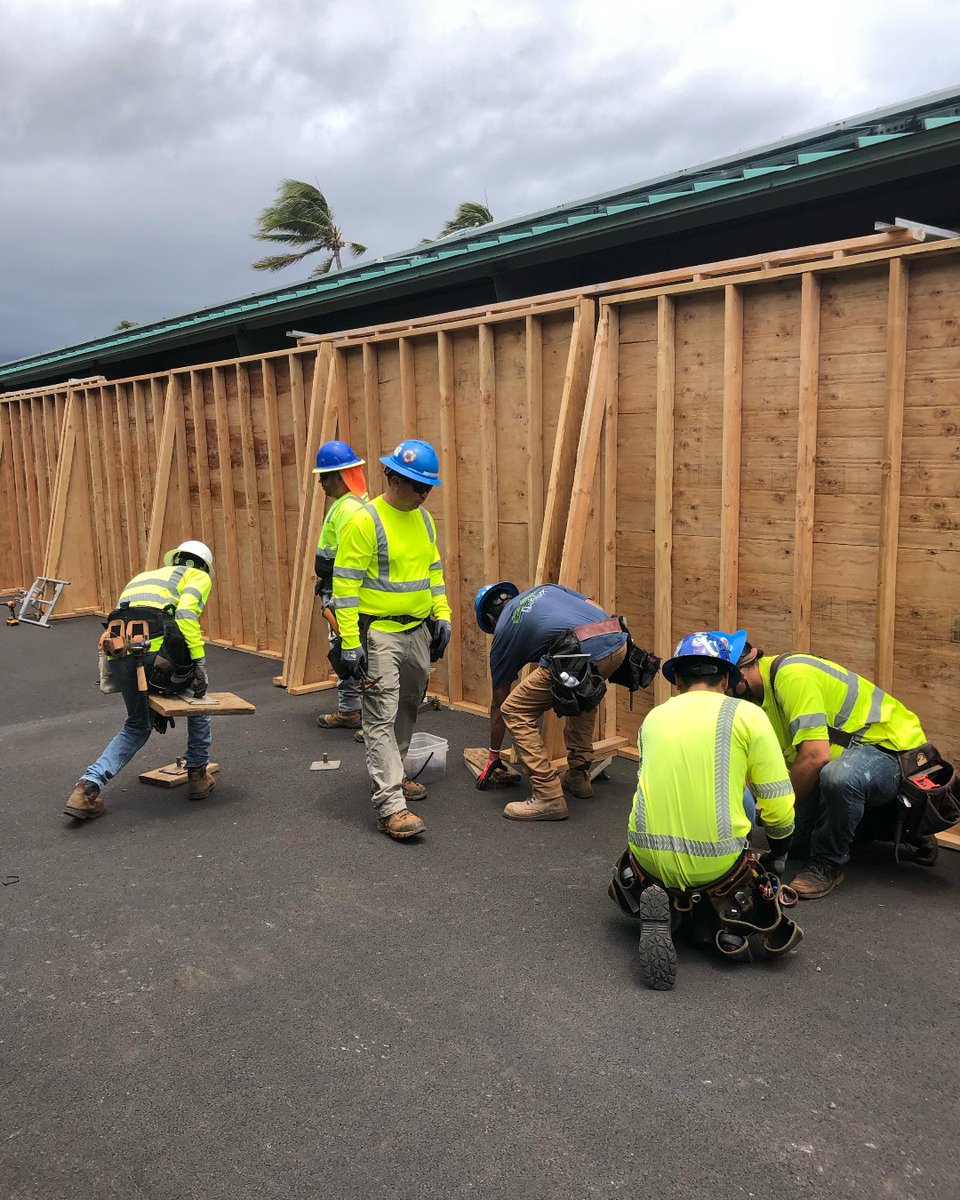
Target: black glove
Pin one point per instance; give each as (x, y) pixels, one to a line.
(353, 663)
(200, 680)
(440, 640)
(160, 723)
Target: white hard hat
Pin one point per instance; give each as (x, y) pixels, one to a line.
(195, 550)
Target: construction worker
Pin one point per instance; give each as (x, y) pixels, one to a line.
(525, 627)
(688, 827)
(341, 477)
(391, 605)
(840, 735)
(168, 601)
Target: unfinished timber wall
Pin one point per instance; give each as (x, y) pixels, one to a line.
(771, 443)
(780, 451)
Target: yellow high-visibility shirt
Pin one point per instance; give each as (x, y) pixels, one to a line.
(697, 752)
(813, 696)
(387, 564)
(342, 509)
(186, 589)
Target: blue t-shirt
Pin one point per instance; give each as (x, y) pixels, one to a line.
(530, 622)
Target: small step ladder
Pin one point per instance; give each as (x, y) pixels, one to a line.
(36, 607)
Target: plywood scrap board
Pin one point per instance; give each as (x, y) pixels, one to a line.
(173, 774)
(213, 704)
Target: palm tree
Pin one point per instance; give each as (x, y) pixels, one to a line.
(300, 216)
(468, 216)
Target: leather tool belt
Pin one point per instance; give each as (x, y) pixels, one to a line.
(598, 628)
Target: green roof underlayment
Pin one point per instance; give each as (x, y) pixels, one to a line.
(823, 153)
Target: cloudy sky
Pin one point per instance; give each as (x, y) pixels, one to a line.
(140, 138)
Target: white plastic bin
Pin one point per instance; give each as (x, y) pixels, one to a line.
(426, 758)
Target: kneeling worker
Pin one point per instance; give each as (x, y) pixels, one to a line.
(688, 829)
(525, 627)
(391, 604)
(341, 477)
(841, 735)
(167, 604)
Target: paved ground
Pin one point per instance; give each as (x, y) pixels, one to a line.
(261, 996)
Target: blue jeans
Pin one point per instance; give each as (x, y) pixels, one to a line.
(136, 729)
(863, 779)
(348, 690)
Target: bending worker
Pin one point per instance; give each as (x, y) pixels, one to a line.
(532, 627)
(688, 828)
(341, 477)
(391, 604)
(840, 734)
(166, 604)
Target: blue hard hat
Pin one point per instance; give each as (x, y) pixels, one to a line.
(489, 589)
(725, 648)
(416, 459)
(336, 456)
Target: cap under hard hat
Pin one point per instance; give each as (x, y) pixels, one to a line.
(195, 550)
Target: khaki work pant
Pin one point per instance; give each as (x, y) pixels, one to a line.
(521, 713)
(401, 663)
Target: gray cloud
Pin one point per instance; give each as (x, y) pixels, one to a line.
(139, 141)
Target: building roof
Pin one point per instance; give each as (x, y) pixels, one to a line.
(821, 157)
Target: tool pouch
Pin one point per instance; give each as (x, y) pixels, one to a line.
(107, 681)
(567, 662)
(928, 800)
(639, 667)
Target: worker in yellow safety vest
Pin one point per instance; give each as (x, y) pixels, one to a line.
(166, 603)
(840, 735)
(689, 825)
(391, 605)
(340, 472)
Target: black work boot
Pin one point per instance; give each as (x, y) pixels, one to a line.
(658, 958)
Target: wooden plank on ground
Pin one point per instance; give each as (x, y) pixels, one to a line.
(173, 774)
(950, 838)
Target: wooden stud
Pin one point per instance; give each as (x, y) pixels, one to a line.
(28, 469)
(143, 469)
(231, 554)
(98, 514)
(251, 492)
(213, 621)
(533, 373)
(342, 398)
(663, 505)
(408, 389)
(106, 405)
(451, 510)
(277, 502)
(488, 455)
(19, 535)
(890, 470)
(371, 406)
(731, 456)
(60, 490)
(127, 466)
(299, 407)
(161, 490)
(806, 460)
(181, 458)
(608, 499)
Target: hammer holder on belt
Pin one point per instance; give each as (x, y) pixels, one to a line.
(122, 637)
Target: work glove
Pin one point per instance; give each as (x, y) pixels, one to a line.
(496, 773)
(161, 724)
(440, 640)
(353, 663)
(200, 680)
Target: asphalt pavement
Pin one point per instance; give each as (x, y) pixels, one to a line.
(261, 996)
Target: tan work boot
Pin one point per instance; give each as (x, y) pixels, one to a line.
(554, 809)
(84, 801)
(340, 720)
(577, 782)
(413, 790)
(200, 783)
(401, 824)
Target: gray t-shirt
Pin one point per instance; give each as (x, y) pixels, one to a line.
(530, 622)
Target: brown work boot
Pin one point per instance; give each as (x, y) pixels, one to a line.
(413, 790)
(401, 824)
(200, 783)
(577, 782)
(818, 878)
(340, 720)
(553, 809)
(84, 801)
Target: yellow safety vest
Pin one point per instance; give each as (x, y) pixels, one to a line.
(186, 589)
(697, 752)
(387, 565)
(342, 509)
(812, 697)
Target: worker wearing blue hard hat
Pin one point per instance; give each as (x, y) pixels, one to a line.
(390, 600)
(340, 472)
(688, 828)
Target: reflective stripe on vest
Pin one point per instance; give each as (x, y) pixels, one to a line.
(852, 682)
